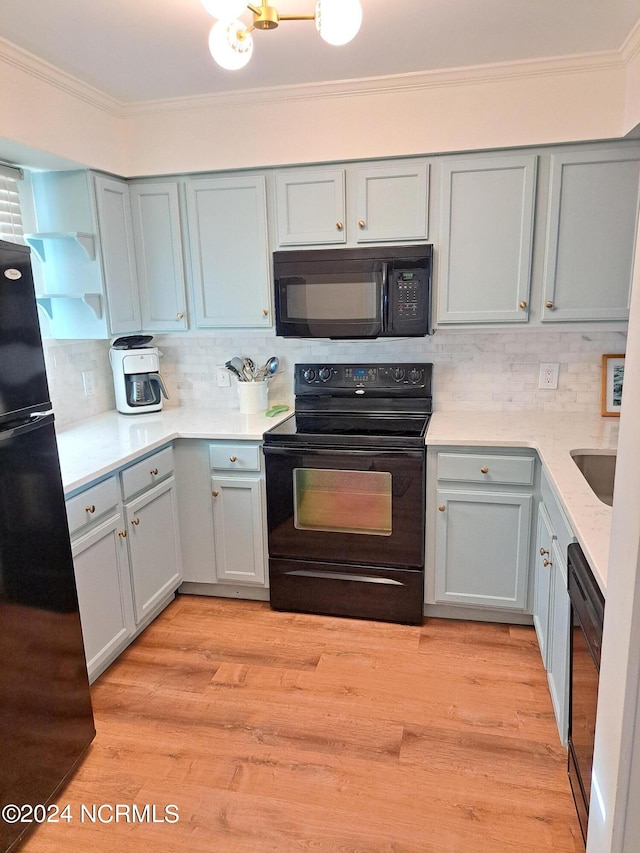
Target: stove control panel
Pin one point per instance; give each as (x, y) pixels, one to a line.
(336, 378)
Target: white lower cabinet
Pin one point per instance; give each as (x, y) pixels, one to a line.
(559, 629)
(481, 517)
(222, 517)
(101, 567)
(551, 605)
(237, 528)
(127, 557)
(154, 547)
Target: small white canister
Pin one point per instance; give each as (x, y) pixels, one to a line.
(254, 397)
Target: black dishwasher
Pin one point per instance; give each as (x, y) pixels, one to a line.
(587, 617)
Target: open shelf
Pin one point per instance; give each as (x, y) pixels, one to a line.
(85, 240)
(93, 300)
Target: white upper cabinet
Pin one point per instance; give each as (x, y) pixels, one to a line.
(118, 255)
(392, 203)
(591, 232)
(230, 261)
(157, 236)
(310, 207)
(373, 203)
(487, 211)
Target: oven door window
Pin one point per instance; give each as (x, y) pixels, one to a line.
(343, 501)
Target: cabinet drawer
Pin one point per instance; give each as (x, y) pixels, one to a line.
(485, 468)
(87, 507)
(147, 473)
(235, 456)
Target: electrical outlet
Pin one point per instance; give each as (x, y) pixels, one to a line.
(222, 375)
(88, 383)
(549, 376)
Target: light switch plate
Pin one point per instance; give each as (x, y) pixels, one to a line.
(88, 383)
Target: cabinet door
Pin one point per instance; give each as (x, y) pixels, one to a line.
(558, 656)
(591, 233)
(311, 207)
(392, 203)
(154, 546)
(239, 529)
(487, 240)
(104, 593)
(482, 548)
(158, 246)
(229, 251)
(118, 256)
(542, 563)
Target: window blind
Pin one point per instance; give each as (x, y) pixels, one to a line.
(11, 228)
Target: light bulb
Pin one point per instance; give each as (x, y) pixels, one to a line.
(230, 44)
(226, 9)
(338, 21)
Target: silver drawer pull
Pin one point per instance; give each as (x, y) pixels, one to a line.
(484, 470)
(233, 459)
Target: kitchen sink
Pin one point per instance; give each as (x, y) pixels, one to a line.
(598, 468)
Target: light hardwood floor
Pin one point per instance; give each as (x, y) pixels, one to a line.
(290, 732)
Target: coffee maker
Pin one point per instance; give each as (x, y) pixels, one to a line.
(138, 385)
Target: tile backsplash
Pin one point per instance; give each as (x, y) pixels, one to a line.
(473, 369)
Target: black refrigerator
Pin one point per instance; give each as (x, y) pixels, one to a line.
(46, 720)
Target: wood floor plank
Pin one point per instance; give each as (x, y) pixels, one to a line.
(290, 732)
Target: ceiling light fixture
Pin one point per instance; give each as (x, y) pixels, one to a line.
(231, 43)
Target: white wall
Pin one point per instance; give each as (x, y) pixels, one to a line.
(617, 738)
(492, 106)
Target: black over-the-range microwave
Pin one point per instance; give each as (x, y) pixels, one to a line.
(353, 293)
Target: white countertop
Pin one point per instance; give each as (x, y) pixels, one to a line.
(92, 448)
(97, 446)
(553, 436)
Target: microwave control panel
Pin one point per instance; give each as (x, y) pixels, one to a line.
(408, 297)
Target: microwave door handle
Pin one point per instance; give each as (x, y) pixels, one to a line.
(384, 307)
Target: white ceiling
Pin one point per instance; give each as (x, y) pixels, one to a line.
(138, 50)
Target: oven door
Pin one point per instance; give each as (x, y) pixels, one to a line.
(346, 506)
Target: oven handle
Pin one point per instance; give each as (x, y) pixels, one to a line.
(345, 451)
(338, 576)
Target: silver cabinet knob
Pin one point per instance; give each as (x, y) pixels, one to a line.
(90, 509)
(179, 315)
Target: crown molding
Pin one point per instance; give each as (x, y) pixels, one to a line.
(631, 46)
(32, 65)
(393, 84)
(613, 60)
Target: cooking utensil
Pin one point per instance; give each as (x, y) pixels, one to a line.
(249, 369)
(233, 369)
(269, 368)
(272, 365)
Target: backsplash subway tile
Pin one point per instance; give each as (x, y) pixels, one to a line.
(491, 370)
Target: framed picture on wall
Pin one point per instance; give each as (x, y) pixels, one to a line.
(612, 379)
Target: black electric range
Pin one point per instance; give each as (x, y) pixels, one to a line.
(377, 405)
(345, 481)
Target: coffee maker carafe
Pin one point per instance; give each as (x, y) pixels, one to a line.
(138, 385)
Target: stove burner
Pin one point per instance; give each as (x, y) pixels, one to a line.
(386, 405)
